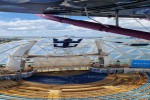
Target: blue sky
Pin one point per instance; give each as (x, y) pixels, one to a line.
(19, 24)
(11, 16)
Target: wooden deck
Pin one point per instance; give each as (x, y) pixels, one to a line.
(112, 84)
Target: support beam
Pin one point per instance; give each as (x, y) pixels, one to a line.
(50, 56)
(117, 18)
(98, 27)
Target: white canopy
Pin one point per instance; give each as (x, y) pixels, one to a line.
(21, 50)
(13, 62)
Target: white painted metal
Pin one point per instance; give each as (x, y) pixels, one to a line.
(13, 62)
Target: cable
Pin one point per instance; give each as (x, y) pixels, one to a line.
(130, 15)
(43, 49)
(124, 9)
(117, 50)
(12, 48)
(148, 17)
(92, 18)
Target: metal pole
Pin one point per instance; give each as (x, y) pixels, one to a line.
(117, 18)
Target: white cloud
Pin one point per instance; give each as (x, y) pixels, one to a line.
(42, 27)
(130, 23)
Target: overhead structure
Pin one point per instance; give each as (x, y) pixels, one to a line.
(98, 8)
(102, 8)
(98, 27)
(15, 58)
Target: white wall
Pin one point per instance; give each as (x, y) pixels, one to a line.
(62, 61)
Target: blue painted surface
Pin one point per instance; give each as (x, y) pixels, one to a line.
(140, 64)
(73, 79)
